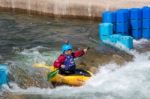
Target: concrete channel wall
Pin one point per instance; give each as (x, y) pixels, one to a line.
(81, 8)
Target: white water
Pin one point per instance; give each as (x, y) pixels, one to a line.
(130, 81)
(35, 55)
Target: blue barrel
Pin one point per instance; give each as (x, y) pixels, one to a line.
(146, 12)
(106, 29)
(130, 32)
(127, 41)
(146, 33)
(137, 34)
(146, 23)
(105, 38)
(122, 28)
(136, 24)
(115, 38)
(135, 14)
(3, 74)
(114, 28)
(109, 17)
(122, 15)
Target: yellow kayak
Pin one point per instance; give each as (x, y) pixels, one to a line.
(77, 79)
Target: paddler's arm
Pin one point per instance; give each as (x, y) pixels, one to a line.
(80, 52)
(59, 61)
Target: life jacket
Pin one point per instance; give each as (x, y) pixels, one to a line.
(69, 62)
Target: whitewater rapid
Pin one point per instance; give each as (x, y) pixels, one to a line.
(129, 81)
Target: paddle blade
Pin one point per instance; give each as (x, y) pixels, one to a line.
(52, 74)
(41, 65)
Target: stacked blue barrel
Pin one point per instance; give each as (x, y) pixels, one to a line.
(123, 24)
(109, 17)
(146, 22)
(122, 21)
(127, 41)
(115, 28)
(136, 23)
(105, 30)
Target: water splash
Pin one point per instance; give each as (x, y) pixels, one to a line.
(37, 55)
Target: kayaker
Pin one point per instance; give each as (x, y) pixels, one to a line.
(65, 62)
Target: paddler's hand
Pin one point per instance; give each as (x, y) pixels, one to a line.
(85, 50)
(62, 66)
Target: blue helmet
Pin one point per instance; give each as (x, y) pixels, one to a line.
(66, 47)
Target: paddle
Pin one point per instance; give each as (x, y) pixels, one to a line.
(41, 65)
(52, 74)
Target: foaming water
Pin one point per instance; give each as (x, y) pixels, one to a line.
(130, 81)
(142, 44)
(36, 55)
(28, 57)
(136, 42)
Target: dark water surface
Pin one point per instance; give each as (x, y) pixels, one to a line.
(27, 31)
